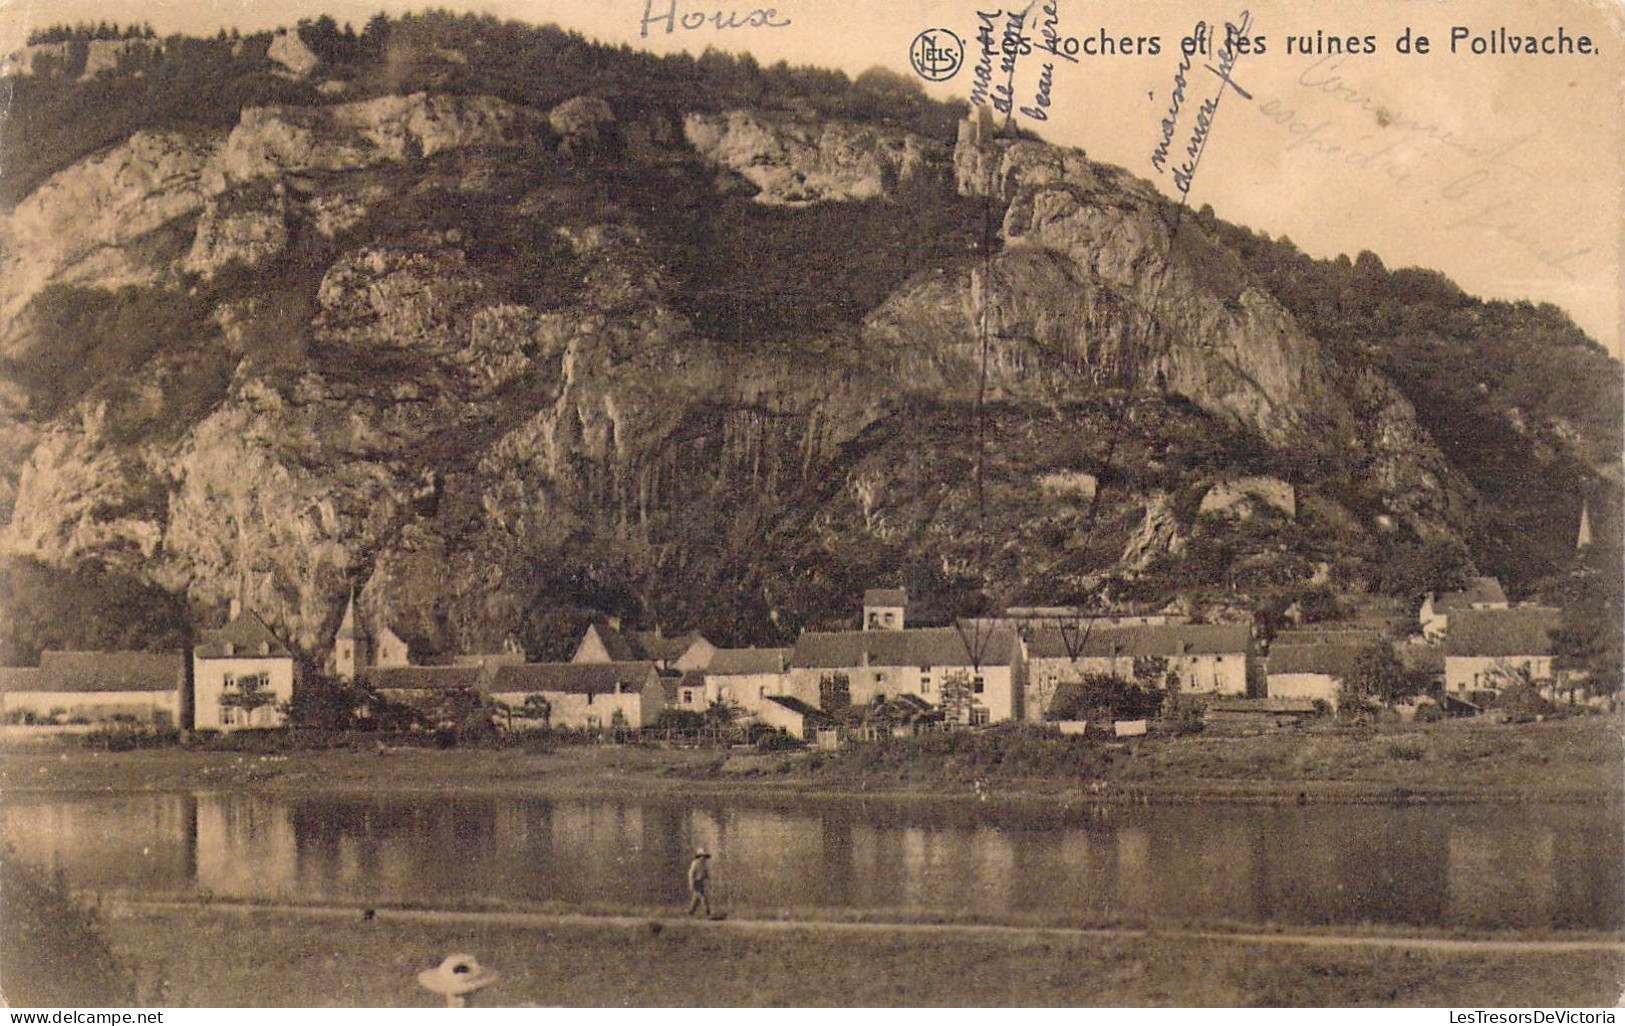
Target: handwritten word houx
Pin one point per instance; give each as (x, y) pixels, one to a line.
(759, 17)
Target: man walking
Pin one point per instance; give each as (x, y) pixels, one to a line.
(699, 882)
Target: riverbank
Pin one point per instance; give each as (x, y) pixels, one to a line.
(1460, 761)
(276, 957)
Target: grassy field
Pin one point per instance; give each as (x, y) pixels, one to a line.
(1565, 760)
(280, 958)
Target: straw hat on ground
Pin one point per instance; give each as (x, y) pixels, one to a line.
(457, 975)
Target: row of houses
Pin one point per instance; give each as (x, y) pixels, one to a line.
(237, 677)
(975, 672)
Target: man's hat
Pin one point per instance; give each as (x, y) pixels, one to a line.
(458, 974)
(701, 853)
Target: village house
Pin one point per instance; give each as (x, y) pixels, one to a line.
(586, 696)
(1488, 649)
(428, 689)
(147, 688)
(1207, 659)
(1312, 665)
(885, 609)
(242, 676)
(794, 717)
(607, 643)
(1480, 593)
(976, 671)
(747, 677)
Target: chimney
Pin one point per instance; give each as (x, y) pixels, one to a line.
(236, 609)
(614, 622)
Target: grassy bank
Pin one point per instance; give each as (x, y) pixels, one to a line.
(278, 958)
(1564, 760)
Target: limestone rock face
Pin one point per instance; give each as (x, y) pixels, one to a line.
(1210, 335)
(288, 50)
(797, 163)
(248, 236)
(84, 223)
(475, 422)
(582, 122)
(282, 140)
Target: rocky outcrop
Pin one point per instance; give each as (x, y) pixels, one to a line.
(289, 51)
(1208, 333)
(84, 224)
(473, 420)
(247, 236)
(583, 124)
(796, 163)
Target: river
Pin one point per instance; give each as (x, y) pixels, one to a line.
(1473, 866)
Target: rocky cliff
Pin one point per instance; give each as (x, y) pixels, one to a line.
(446, 348)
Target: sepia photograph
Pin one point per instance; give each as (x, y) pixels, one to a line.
(663, 503)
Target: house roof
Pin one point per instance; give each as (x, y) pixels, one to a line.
(886, 597)
(922, 646)
(1332, 658)
(615, 643)
(423, 678)
(100, 671)
(1523, 631)
(573, 678)
(1479, 591)
(246, 635)
(1153, 640)
(739, 662)
(639, 646)
(796, 705)
(655, 646)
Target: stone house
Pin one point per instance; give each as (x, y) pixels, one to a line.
(1480, 593)
(148, 688)
(930, 663)
(747, 677)
(1314, 666)
(793, 716)
(678, 654)
(885, 609)
(242, 676)
(1209, 659)
(585, 695)
(428, 689)
(1486, 646)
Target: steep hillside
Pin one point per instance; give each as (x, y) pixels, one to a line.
(506, 364)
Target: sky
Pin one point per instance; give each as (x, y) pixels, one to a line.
(1505, 171)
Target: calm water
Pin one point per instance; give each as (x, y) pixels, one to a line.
(1474, 866)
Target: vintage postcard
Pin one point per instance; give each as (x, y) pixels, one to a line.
(662, 502)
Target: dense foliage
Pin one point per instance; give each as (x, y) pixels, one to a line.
(87, 607)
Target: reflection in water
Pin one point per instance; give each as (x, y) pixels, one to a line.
(1475, 866)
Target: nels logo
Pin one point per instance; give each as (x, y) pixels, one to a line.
(936, 54)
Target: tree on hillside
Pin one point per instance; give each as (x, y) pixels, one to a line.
(1376, 676)
(834, 692)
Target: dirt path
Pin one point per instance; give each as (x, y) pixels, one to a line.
(540, 919)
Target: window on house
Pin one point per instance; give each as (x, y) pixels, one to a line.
(925, 685)
(228, 716)
(979, 717)
(978, 685)
(880, 677)
(688, 697)
(891, 618)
